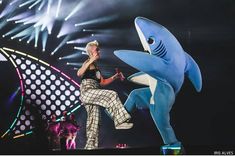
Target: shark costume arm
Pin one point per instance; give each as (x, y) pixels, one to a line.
(149, 64)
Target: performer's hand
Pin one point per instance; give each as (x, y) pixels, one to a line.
(119, 74)
(115, 76)
(94, 58)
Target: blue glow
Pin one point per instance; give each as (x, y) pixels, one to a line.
(21, 39)
(41, 5)
(79, 6)
(37, 30)
(60, 45)
(34, 4)
(49, 6)
(74, 64)
(26, 3)
(11, 99)
(13, 31)
(29, 133)
(58, 8)
(8, 9)
(44, 40)
(24, 32)
(31, 38)
(19, 16)
(98, 20)
(75, 55)
(14, 2)
(80, 48)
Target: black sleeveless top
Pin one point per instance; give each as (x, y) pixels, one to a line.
(92, 74)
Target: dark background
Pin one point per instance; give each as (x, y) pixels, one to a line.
(204, 121)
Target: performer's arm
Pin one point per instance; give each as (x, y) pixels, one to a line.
(86, 64)
(107, 81)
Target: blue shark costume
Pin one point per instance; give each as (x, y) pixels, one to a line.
(162, 69)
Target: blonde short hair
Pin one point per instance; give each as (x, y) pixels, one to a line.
(90, 44)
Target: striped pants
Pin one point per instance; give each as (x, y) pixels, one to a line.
(92, 95)
(92, 126)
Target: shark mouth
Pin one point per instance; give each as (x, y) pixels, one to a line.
(160, 50)
(142, 39)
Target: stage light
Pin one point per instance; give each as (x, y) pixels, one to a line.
(88, 30)
(72, 56)
(61, 44)
(74, 64)
(7, 10)
(0, 1)
(44, 40)
(26, 3)
(49, 6)
(13, 2)
(80, 48)
(80, 40)
(66, 29)
(24, 32)
(58, 8)
(97, 20)
(21, 39)
(29, 20)
(31, 37)
(79, 6)
(20, 16)
(35, 3)
(41, 5)
(73, 41)
(2, 24)
(13, 31)
(36, 36)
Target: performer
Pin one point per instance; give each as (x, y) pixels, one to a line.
(64, 131)
(92, 96)
(53, 131)
(73, 128)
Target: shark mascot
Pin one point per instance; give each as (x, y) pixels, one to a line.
(162, 69)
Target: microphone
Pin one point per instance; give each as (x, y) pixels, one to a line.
(119, 73)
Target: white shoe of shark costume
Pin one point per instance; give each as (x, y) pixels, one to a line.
(163, 70)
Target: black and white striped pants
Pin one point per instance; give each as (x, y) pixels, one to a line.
(92, 95)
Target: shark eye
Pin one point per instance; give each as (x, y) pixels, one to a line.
(150, 40)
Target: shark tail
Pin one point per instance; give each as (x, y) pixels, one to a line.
(193, 72)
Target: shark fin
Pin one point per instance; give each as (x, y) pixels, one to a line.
(139, 78)
(193, 72)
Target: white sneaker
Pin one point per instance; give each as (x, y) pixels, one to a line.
(124, 125)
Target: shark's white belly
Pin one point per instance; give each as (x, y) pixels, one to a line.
(152, 86)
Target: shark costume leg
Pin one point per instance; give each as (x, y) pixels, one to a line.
(160, 112)
(138, 98)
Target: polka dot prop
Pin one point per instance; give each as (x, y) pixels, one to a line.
(45, 91)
